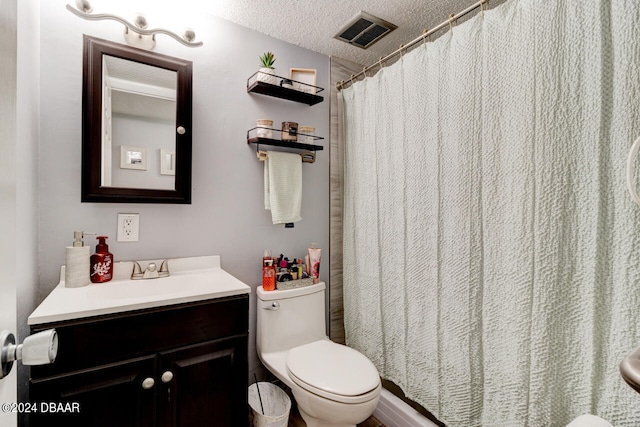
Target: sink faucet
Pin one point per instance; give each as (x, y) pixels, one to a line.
(151, 272)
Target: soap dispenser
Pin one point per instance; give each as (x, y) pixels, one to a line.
(76, 264)
(101, 262)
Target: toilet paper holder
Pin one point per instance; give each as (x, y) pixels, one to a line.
(37, 349)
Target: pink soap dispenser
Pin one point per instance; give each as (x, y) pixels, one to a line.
(101, 262)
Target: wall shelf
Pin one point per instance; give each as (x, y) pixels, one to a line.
(302, 92)
(287, 144)
(253, 138)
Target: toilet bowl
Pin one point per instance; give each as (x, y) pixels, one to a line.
(332, 384)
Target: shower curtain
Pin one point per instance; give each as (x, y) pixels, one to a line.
(491, 253)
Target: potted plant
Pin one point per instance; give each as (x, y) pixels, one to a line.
(267, 72)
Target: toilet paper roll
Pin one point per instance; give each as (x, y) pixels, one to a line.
(588, 420)
(77, 267)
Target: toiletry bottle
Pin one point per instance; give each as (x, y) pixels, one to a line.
(294, 270)
(300, 268)
(266, 257)
(268, 276)
(314, 260)
(306, 265)
(76, 262)
(101, 262)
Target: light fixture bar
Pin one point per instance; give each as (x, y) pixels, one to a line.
(186, 39)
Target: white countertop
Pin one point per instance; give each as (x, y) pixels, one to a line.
(191, 279)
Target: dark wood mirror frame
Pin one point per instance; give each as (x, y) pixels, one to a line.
(92, 189)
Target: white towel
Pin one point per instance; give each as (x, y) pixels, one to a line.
(283, 186)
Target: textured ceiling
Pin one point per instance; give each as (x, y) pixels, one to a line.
(313, 23)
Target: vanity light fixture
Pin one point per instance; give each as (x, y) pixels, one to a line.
(135, 34)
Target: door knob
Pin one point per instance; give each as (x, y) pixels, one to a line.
(148, 383)
(167, 377)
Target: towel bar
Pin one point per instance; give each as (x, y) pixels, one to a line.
(307, 156)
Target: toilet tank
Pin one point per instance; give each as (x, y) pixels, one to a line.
(298, 319)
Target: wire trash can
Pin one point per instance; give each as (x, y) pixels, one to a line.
(276, 404)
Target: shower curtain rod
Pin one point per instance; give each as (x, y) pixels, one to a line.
(452, 18)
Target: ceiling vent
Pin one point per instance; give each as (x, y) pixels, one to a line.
(364, 30)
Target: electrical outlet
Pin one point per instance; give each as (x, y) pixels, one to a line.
(128, 227)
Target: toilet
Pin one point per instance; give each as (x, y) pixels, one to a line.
(333, 385)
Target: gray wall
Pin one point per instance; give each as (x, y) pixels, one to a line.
(227, 216)
(133, 131)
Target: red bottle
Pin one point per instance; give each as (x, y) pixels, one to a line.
(268, 277)
(101, 262)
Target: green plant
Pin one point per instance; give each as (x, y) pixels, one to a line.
(267, 60)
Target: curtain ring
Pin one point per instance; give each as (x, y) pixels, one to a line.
(401, 47)
(364, 71)
(424, 37)
(380, 63)
(450, 21)
(352, 78)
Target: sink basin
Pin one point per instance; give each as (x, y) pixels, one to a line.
(153, 288)
(191, 279)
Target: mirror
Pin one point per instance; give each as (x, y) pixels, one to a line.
(136, 139)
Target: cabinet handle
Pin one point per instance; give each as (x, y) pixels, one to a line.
(148, 383)
(167, 377)
(181, 130)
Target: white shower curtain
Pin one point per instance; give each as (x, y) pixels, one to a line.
(491, 253)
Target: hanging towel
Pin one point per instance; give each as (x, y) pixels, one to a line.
(283, 186)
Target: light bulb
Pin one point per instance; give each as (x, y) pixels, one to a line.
(189, 35)
(141, 21)
(84, 6)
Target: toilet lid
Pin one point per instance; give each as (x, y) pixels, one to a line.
(332, 368)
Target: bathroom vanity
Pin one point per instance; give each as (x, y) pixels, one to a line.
(161, 352)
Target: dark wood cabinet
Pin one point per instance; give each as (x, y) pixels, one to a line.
(181, 365)
(205, 385)
(102, 397)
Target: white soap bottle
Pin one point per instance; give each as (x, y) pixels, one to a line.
(76, 264)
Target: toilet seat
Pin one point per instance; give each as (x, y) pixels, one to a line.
(333, 371)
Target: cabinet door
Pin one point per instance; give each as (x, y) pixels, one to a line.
(105, 396)
(208, 384)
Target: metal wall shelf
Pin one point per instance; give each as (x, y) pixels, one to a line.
(302, 92)
(253, 138)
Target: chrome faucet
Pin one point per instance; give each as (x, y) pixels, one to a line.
(151, 272)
